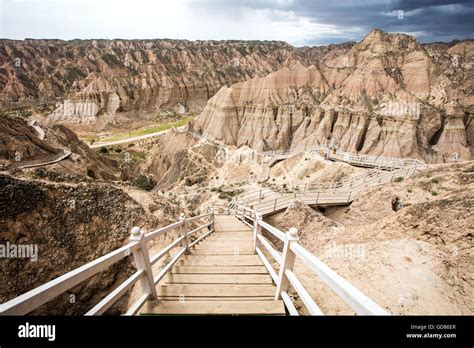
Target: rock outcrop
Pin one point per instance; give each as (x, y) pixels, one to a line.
(181, 159)
(388, 95)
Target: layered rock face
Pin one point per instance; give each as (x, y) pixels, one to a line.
(90, 79)
(179, 159)
(388, 95)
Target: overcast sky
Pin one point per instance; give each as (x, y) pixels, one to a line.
(299, 22)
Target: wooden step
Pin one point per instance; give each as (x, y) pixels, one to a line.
(214, 308)
(228, 234)
(229, 239)
(227, 242)
(225, 260)
(210, 298)
(220, 270)
(229, 246)
(216, 290)
(205, 250)
(231, 227)
(218, 279)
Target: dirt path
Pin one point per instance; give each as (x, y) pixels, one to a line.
(128, 140)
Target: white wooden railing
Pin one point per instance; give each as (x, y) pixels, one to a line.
(138, 247)
(284, 276)
(336, 154)
(267, 200)
(373, 161)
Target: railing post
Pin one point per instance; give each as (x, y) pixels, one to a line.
(142, 262)
(260, 196)
(275, 205)
(257, 229)
(304, 190)
(184, 232)
(287, 262)
(212, 218)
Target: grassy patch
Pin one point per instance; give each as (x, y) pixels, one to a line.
(136, 133)
(399, 179)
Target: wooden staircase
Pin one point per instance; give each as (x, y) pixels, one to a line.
(222, 275)
(213, 271)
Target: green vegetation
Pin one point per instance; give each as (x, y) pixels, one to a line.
(434, 193)
(399, 179)
(136, 133)
(145, 182)
(469, 170)
(435, 180)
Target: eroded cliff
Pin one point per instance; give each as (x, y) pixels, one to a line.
(388, 95)
(89, 79)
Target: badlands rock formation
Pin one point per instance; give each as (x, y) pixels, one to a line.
(388, 95)
(89, 79)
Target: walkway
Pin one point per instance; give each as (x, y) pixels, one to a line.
(268, 201)
(221, 275)
(62, 154)
(334, 154)
(221, 267)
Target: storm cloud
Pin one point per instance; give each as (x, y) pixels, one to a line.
(429, 21)
(299, 22)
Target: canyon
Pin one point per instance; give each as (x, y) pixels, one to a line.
(84, 81)
(387, 96)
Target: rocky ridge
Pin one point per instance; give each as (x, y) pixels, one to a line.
(91, 79)
(388, 95)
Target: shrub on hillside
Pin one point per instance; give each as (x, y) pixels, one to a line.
(145, 182)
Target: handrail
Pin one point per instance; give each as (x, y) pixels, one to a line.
(286, 277)
(31, 300)
(341, 193)
(137, 247)
(349, 293)
(334, 153)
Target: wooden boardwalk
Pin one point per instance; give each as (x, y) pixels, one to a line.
(222, 275)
